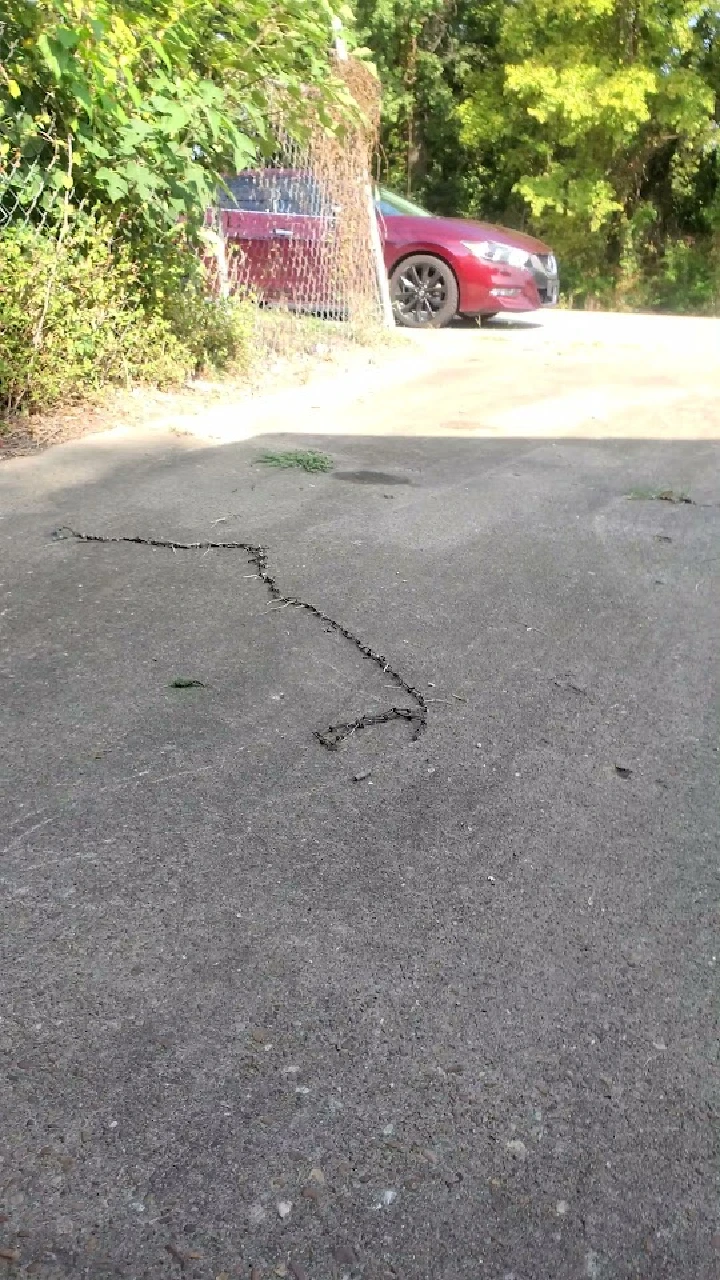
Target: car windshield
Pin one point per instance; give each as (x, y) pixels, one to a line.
(393, 206)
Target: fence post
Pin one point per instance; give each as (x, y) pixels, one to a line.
(380, 268)
(381, 276)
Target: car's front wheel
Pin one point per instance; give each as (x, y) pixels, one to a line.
(424, 292)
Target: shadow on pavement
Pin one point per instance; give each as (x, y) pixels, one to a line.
(430, 1010)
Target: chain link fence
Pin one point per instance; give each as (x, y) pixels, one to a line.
(34, 192)
(295, 239)
(299, 233)
(21, 193)
(35, 207)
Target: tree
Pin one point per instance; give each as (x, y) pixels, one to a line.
(140, 105)
(425, 51)
(118, 120)
(600, 122)
(594, 124)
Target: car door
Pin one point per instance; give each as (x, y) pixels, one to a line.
(278, 228)
(245, 210)
(303, 232)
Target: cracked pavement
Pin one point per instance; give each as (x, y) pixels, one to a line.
(431, 1010)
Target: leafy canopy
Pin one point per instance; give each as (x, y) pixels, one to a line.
(593, 122)
(141, 104)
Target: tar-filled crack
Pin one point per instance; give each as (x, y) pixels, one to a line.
(258, 559)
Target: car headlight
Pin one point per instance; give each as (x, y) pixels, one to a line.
(493, 251)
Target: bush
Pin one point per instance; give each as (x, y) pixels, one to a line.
(80, 311)
(687, 278)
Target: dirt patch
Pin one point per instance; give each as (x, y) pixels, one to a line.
(321, 348)
(17, 443)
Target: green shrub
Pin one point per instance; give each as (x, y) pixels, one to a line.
(687, 278)
(81, 310)
(217, 333)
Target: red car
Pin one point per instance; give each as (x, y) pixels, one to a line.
(282, 222)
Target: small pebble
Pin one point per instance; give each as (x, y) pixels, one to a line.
(516, 1149)
(561, 1208)
(284, 1208)
(387, 1198)
(343, 1254)
(317, 1175)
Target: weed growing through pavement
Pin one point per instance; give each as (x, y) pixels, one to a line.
(659, 495)
(304, 459)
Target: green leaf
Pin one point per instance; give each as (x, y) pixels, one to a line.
(244, 151)
(66, 37)
(49, 56)
(82, 95)
(114, 184)
(174, 118)
(141, 178)
(94, 148)
(132, 88)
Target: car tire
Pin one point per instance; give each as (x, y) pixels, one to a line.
(424, 292)
(485, 319)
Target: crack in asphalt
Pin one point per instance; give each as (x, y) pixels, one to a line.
(331, 737)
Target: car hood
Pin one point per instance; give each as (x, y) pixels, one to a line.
(464, 229)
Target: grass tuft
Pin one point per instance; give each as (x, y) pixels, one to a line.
(659, 495)
(303, 459)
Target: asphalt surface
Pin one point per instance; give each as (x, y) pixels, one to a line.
(454, 1019)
